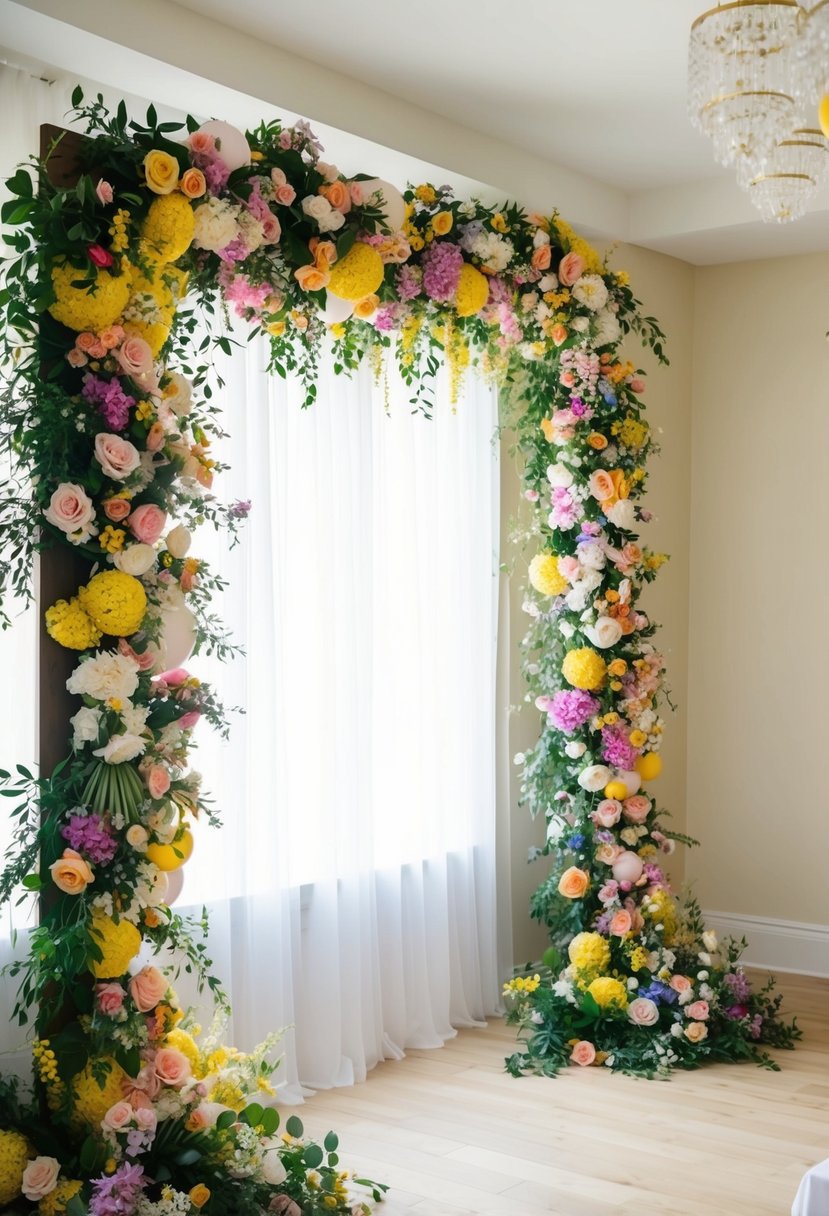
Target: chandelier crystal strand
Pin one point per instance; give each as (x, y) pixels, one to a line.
(796, 169)
(741, 71)
(812, 53)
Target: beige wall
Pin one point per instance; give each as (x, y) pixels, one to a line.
(666, 288)
(757, 722)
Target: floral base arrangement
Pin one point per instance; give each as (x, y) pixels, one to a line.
(107, 422)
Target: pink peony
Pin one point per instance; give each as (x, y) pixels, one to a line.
(147, 523)
(147, 988)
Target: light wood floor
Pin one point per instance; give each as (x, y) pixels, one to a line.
(454, 1135)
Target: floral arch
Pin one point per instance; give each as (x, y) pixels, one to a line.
(108, 419)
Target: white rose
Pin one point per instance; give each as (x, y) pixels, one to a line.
(606, 632)
(580, 324)
(121, 748)
(40, 1178)
(272, 1170)
(566, 629)
(559, 475)
(331, 222)
(710, 939)
(575, 750)
(316, 206)
(676, 1030)
(137, 837)
(578, 597)
(86, 724)
(622, 514)
(643, 1012)
(592, 555)
(135, 559)
(178, 541)
(329, 172)
(103, 676)
(705, 959)
(595, 777)
(548, 281)
(180, 398)
(540, 237)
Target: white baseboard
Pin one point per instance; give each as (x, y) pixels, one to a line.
(780, 945)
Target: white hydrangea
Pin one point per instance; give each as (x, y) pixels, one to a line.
(606, 328)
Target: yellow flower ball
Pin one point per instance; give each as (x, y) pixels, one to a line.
(358, 274)
(608, 993)
(169, 857)
(15, 1153)
(472, 292)
(544, 575)
(168, 229)
(161, 171)
(91, 1100)
(69, 625)
(649, 766)
(80, 309)
(115, 602)
(584, 668)
(119, 944)
(56, 1202)
(589, 952)
(154, 333)
(617, 790)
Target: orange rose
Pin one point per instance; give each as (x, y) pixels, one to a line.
(573, 883)
(71, 873)
(627, 626)
(325, 255)
(558, 334)
(311, 279)
(597, 441)
(199, 1195)
(192, 184)
(547, 428)
(601, 485)
(541, 260)
(621, 923)
(366, 308)
(621, 487)
(338, 195)
(116, 509)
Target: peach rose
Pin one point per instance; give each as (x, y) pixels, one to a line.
(271, 229)
(637, 385)
(680, 983)
(366, 308)
(201, 143)
(147, 523)
(116, 509)
(71, 874)
(643, 1012)
(608, 853)
(158, 781)
(699, 1011)
(573, 883)
(116, 456)
(571, 267)
(632, 554)
(695, 1032)
(541, 260)
(147, 988)
(558, 334)
(597, 441)
(86, 341)
(192, 184)
(155, 437)
(135, 358)
(76, 358)
(636, 809)
(40, 1178)
(70, 508)
(285, 194)
(118, 1116)
(338, 195)
(311, 279)
(601, 485)
(621, 924)
(111, 337)
(172, 1067)
(583, 1053)
(607, 813)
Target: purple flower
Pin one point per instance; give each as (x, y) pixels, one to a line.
(738, 986)
(409, 282)
(240, 509)
(91, 836)
(736, 1012)
(118, 1194)
(570, 709)
(112, 402)
(617, 748)
(442, 264)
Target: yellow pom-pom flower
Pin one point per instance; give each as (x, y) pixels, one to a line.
(119, 943)
(168, 230)
(57, 1201)
(472, 291)
(608, 993)
(115, 602)
(358, 274)
(81, 309)
(583, 668)
(14, 1157)
(589, 953)
(545, 576)
(91, 1100)
(69, 625)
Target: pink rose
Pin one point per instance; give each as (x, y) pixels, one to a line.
(601, 485)
(571, 267)
(172, 1067)
(116, 509)
(271, 229)
(40, 1178)
(607, 813)
(135, 358)
(189, 720)
(146, 1118)
(285, 195)
(118, 1116)
(158, 781)
(608, 892)
(569, 568)
(147, 988)
(110, 998)
(643, 1012)
(104, 192)
(621, 923)
(583, 1053)
(155, 437)
(145, 660)
(76, 358)
(698, 1011)
(357, 193)
(636, 809)
(140, 1089)
(70, 508)
(147, 523)
(680, 983)
(99, 256)
(202, 143)
(116, 456)
(637, 385)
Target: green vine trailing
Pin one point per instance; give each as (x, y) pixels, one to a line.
(109, 424)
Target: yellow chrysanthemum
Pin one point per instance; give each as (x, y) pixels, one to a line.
(91, 1100)
(115, 602)
(119, 944)
(608, 993)
(589, 953)
(472, 291)
(639, 958)
(358, 274)
(188, 1047)
(632, 433)
(583, 668)
(14, 1157)
(80, 309)
(55, 1203)
(70, 626)
(168, 229)
(545, 576)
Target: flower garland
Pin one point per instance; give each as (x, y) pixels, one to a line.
(111, 428)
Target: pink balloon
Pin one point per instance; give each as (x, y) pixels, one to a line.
(628, 867)
(175, 883)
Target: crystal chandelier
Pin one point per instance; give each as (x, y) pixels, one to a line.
(755, 68)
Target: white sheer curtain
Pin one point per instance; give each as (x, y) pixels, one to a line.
(352, 887)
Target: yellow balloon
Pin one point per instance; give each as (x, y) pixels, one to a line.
(172, 856)
(616, 789)
(823, 114)
(649, 766)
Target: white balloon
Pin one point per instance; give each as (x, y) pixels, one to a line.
(631, 781)
(175, 883)
(232, 146)
(336, 309)
(628, 867)
(392, 202)
(178, 637)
